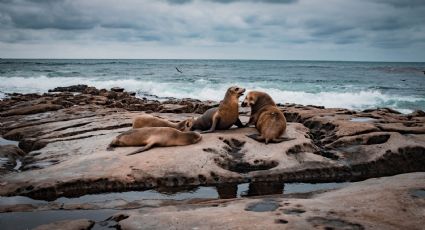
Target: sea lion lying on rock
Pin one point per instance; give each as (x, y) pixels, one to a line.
(267, 118)
(147, 120)
(223, 117)
(154, 136)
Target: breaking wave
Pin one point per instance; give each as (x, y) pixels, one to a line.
(204, 90)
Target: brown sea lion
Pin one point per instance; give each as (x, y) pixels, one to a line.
(267, 118)
(223, 116)
(154, 136)
(147, 120)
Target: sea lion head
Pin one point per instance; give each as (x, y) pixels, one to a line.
(235, 91)
(250, 99)
(257, 99)
(188, 123)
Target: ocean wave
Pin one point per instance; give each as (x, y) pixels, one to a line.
(391, 69)
(351, 100)
(201, 89)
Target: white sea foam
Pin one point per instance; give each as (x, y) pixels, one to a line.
(204, 91)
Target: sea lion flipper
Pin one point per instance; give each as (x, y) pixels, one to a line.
(144, 148)
(239, 124)
(282, 139)
(215, 120)
(256, 137)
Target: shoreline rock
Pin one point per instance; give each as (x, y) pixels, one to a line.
(66, 147)
(395, 202)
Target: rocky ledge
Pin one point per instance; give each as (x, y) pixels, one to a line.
(385, 203)
(63, 136)
(396, 202)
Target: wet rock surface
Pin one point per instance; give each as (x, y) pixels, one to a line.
(10, 155)
(378, 203)
(63, 136)
(382, 203)
(82, 224)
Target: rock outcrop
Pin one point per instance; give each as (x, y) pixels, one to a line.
(65, 149)
(385, 203)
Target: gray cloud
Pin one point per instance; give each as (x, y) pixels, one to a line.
(402, 3)
(262, 26)
(33, 14)
(232, 1)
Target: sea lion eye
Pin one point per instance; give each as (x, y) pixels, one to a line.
(237, 89)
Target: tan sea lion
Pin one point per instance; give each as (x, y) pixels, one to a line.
(267, 118)
(223, 116)
(147, 120)
(154, 136)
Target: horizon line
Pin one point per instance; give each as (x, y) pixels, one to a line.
(206, 59)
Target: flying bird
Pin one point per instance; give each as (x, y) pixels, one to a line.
(178, 70)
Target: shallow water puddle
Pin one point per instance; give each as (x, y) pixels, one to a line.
(418, 193)
(362, 119)
(262, 206)
(219, 192)
(8, 142)
(28, 220)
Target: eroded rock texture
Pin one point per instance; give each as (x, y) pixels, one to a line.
(65, 135)
(385, 203)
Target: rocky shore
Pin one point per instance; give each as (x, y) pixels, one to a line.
(63, 136)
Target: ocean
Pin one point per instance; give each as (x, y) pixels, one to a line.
(352, 85)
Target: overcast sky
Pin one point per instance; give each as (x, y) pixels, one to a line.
(360, 30)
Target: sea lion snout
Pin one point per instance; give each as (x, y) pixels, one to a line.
(236, 90)
(241, 91)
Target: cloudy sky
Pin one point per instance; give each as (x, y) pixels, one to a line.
(361, 30)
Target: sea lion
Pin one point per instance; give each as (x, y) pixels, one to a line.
(223, 116)
(147, 120)
(267, 118)
(154, 136)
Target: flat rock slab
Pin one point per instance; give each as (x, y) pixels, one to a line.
(383, 203)
(74, 165)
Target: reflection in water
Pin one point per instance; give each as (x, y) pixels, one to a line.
(227, 191)
(8, 142)
(264, 188)
(224, 191)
